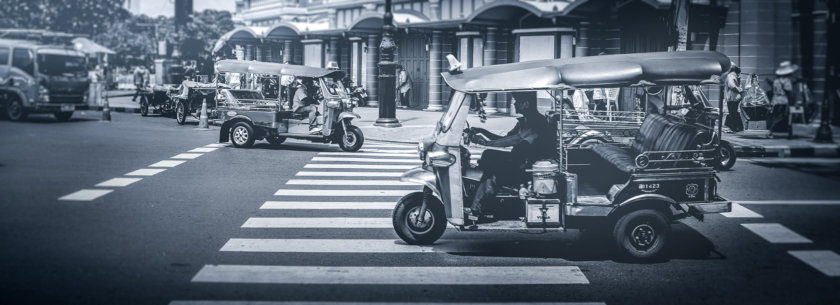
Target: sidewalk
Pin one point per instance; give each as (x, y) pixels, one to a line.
(756, 144)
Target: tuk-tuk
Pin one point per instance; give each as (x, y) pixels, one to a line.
(188, 97)
(248, 120)
(634, 190)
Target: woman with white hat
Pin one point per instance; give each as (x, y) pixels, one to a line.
(782, 91)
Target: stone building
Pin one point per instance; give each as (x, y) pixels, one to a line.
(756, 34)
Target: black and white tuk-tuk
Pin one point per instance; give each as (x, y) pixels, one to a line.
(246, 120)
(633, 190)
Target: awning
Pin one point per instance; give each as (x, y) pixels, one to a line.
(89, 47)
(245, 66)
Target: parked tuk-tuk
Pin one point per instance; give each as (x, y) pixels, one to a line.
(247, 120)
(633, 190)
(188, 97)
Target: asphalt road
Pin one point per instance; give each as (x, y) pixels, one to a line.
(228, 225)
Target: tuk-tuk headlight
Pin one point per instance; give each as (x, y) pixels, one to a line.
(441, 159)
(421, 150)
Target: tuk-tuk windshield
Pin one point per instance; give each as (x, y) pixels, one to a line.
(458, 99)
(334, 87)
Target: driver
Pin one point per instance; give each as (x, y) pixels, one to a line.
(532, 139)
(304, 102)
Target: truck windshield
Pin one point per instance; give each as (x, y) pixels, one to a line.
(61, 65)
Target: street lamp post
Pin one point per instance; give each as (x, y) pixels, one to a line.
(387, 70)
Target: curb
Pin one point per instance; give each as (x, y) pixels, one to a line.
(116, 109)
(786, 151)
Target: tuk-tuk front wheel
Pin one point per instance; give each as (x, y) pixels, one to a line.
(727, 156)
(352, 140)
(242, 135)
(181, 113)
(641, 234)
(413, 230)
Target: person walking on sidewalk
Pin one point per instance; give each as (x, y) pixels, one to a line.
(782, 91)
(734, 118)
(403, 87)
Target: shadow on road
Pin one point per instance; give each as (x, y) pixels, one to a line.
(49, 119)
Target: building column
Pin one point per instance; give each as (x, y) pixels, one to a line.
(371, 82)
(435, 9)
(582, 42)
(260, 55)
(489, 60)
(239, 52)
(287, 51)
(334, 52)
(435, 59)
(249, 52)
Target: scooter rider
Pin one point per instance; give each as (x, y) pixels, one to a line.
(304, 102)
(531, 138)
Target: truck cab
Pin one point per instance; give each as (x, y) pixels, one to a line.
(37, 78)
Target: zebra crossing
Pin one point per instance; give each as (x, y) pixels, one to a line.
(334, 184)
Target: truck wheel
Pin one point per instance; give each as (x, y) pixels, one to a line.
(144, 106)
(63, 116)
(242, 135)
(275, 140)
(727, 156)
(181, 113)
(405, 220)
(353, 140)
(15, 110)
(641, 234)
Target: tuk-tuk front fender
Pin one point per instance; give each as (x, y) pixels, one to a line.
(348, 115)
(224, 131)
(425, 177)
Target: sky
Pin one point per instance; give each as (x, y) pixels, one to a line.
(156, 8)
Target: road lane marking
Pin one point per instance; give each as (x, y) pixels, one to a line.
(146, 172)
(449, 275)
(167, 163)
(348, 182)
(350, 174)
(374, 160)
(396, 151)
(369, 154)
(85, 195)
(322, 246)
(739, 211)
(203, 149)
(776, 233)
(359, 166)
(118, 182)
(186, 156)
(328, 205)
(826, 261)
(229, 302)
(318, 222)
(217, 145)
(789, 202)
(354, 193)
(376, 145)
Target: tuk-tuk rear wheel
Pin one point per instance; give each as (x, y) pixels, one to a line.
(181, 113)
(727, 156)
(641, 234)
(405, 220)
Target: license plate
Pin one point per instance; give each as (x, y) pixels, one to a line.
(68, 107)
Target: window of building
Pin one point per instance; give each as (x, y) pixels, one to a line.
(24, 59)
(4, 56)
(313, 54)
(470, 49)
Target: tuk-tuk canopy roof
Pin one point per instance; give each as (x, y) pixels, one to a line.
(243, 66)
(605, 71)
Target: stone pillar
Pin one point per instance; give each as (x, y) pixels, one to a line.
(249, 52)
(287, 51)
(260, 54)
(582, 43)
(332, 18)
(334, 52)
(372, 68)
(435, 9)
(239, 52)
(268, 52)
(566, 47)
(435, 68)
(489, 60)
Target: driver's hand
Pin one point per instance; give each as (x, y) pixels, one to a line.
(478, 139)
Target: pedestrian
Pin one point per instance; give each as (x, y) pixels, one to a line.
(139, 80)
(95, 76)
(404, 87)
(782, 93)
(734, 118)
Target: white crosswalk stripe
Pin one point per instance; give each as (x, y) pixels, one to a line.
(118, 182)
(322, 246)
(349, 174)
(449, 275)
(353, 193)
(328, 205)
(826, 261)
(229, 302)
(348, 182)
(85, 195)
(374, 160)
(318, 222)
(146, 172)
(369, 154)
(360, 166)
(776, 233)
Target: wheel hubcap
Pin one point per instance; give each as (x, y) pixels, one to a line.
(643, 236)
(180, 112)
(724, 156)
(240, 135)
(419, 227)
(14, 110)
(349, 139)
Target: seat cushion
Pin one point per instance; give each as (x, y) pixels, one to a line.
(649, 131)
(621, 158)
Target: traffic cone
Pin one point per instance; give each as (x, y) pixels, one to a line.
(202, 121)
(106, 110)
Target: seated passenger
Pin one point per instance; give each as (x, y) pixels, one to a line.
(532, 140)
(304, 102)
